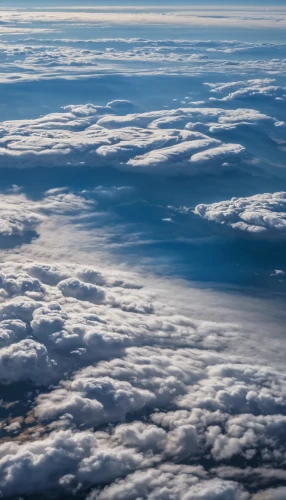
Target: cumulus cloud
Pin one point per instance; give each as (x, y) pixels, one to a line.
(25, 360)
(172, 482)
(82, 291)
(263, 214)
(131, 392)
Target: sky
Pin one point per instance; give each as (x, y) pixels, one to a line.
(162, 2)
(142, 249)
(171, 3)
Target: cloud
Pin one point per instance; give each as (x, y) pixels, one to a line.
(36, 59)
(20, 217)
(271, 494)
(119, 384)
(15, 221)
(82, 291)
(163, 382)
(98, 136)
(248, 89)
(262, 214)
(99, 459)
(172, 16)
(25, 360)
(172, 482)
(75, 58)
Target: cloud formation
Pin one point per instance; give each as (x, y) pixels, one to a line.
(35, 59)
(127, 394)
(262, 88)
(20, 216)
(116, 384)
(263, 214)
(106, 136)
(171, 16)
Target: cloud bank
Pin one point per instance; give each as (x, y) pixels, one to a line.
(171, 17)
(106, 136)
(263, 214)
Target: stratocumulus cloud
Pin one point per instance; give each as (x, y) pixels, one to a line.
(33, 59)
(99, 136)
(176, 17)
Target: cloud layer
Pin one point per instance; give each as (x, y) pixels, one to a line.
(124, 392)
(159, 16)
(34, 59)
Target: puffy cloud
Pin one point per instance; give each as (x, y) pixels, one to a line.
(260, 214)
(11, 330)
(81, 314)
(21, 308)
(82, 291)
(61, 458)
(13, 285)
(94, 401)
(67, 460)
(25, 360)
(172, 482)
(220, 153)
(163, 380)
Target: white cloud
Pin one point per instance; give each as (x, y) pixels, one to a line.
(260, 214)
(172, 482)
(115, 384)
(175, 16)
(20, 216)
(34, 59)
(73, 287)
(97, 136)
(160, 377)
(16, 221)
(26, 360)
(248, 89)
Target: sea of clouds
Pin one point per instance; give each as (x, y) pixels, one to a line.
(133, 156)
